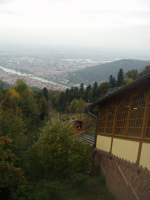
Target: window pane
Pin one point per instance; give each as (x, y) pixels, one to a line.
(136, 115)
(121, 117)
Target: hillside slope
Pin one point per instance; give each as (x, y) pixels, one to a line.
(101, 72)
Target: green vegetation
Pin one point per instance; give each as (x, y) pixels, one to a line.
(59, 152)
(91, 188)
(40, 155)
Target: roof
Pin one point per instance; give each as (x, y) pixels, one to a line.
(145, 79)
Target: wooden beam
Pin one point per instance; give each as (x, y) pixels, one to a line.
(129, 138)
(106, 119)
(96, 130)
(145, 120)
(128, 116)
(113, 127)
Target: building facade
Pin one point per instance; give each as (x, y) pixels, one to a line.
(123, 133)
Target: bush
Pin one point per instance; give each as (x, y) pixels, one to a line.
(58, 154)
(41, 191)
(11, 176)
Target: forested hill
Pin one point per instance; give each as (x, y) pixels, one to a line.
(101, 72)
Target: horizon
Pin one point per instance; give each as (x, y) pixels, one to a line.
(119, 26)
(101, 54)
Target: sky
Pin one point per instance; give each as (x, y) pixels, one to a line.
(114, 24)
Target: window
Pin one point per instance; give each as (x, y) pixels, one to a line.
(110, 119)
(128, 116)
(147, 134)
(121, 118)
(102, 120)
(136, 115)
(106, 119)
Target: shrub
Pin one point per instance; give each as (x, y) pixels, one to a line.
(58, 154)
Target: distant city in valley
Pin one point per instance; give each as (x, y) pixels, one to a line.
(38, 70)
(59, 70)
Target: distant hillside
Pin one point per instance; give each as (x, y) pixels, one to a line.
(103, 71)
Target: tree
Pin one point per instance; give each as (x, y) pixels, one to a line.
(77, 106)
(112, 81)
(57, 154)
(132, 74)
(88, 93)
(103, 88)
(21, 87)
(23, 110)
(62, 102)
(95, 91)
(28, 105)
(11, 99)
(120, 78)
(45, 93)
(13, 126)
(146, 70)
(11, 176)
(81, 90)
(43, 108)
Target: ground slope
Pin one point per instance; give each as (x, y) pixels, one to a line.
(101, 72)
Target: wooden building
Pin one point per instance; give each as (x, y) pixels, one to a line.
(123, 131)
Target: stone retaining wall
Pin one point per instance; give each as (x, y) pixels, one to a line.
(126, 180)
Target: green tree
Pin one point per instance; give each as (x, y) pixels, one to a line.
(28, 105)
(103, 88)
(21, 86)
(57, 153)
(146, 70)
(88, 93)
(13, 126)
(45, 93)
(132, 74)
(112, 81)
(62, 102)
(77, 106)
(120, 78)
(95, 91)
(81, 90)
(11, 176)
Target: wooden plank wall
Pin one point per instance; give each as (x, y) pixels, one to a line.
(130, 122)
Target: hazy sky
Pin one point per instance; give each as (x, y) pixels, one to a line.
(119, 24)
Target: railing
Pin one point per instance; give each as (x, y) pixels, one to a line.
(88, 139)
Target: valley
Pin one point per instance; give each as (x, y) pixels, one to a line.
(57, 72)
(41, 71)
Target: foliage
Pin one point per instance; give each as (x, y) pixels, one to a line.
(77, 106)
(22, 111)
(44, 190)
(10, 175)
(58, 154)
(146, 70)
(120, 78)
(112, 81)
(43, 151)
(132, 74)
(90, 188)
(104, 87)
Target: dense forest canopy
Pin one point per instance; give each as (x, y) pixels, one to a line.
(35, 147)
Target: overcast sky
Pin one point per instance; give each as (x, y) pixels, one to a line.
(119, 24)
